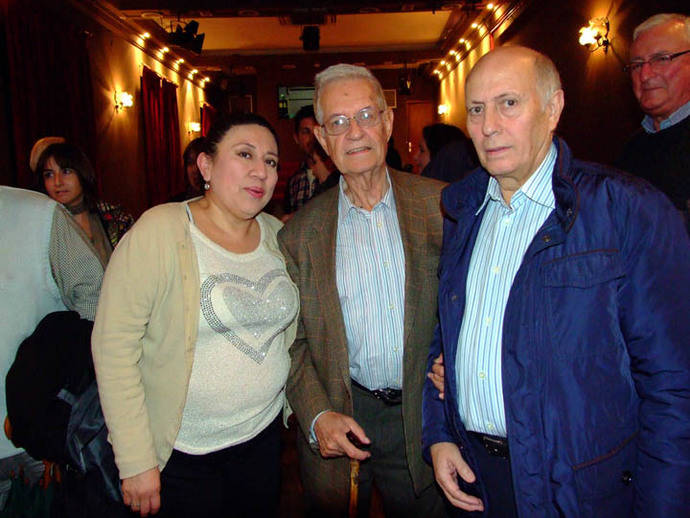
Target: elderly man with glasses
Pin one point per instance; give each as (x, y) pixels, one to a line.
(364, 257)
(659, 68)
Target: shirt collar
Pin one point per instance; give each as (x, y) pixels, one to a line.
(677, 116)
(537, 188)
(346, 207)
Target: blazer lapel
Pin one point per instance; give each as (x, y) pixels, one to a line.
(321, 249)
(412, 228)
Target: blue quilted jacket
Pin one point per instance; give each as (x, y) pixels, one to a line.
(595, 349)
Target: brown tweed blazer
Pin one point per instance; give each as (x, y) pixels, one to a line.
(319, 376)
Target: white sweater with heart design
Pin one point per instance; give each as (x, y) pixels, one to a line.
(145, 335)
(241, 360)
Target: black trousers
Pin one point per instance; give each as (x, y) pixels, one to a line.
(387, 467)
(497, 478)
(237, 482)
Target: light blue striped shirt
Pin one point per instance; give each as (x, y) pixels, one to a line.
(504, 235)
(370, 275)
(673, 119)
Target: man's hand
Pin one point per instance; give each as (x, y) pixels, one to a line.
(437, 375)
(331, 429)
(142, 492)
(448, 464)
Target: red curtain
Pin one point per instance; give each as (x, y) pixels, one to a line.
(208, 115)
(45, 82)
(164, 177)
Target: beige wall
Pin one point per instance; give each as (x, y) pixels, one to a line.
(452, 87)
(600, 110)
(117, 64)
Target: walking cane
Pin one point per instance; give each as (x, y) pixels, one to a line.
(354, 488)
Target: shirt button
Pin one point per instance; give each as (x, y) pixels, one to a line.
(391, 306)
(386, 264)
(379, 224)
(490, 426)
(496, 269)
(487, 321)
(395, 349)
(482, 374)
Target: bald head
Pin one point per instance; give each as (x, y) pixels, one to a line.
(514, 102)
(546, 75)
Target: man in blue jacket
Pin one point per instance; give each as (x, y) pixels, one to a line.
(564, 321)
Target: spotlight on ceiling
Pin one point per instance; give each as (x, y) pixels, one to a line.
(187, 37)
(310, 37)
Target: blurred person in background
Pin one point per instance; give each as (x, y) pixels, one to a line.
(65, 174)
(445, 153)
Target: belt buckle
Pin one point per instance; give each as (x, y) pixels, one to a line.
(495, 447)
(389, 396)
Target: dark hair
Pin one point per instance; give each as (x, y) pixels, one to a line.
(304, 112)
(70, 156)
(226, 122)
(193, 149)
(438, 135)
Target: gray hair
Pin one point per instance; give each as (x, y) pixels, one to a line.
(341, 72)
(660, 19)
(548, 78)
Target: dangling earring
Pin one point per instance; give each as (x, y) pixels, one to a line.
(207, 186)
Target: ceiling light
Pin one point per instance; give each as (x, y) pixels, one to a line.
(187, 37)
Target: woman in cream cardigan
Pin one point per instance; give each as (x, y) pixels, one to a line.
(191, 339)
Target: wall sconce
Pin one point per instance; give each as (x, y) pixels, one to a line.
(596, 34)
(194, 127)
(443, 109)
(123, 100)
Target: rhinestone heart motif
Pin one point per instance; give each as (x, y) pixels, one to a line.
(267, 303)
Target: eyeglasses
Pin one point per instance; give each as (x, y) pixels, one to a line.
(656, 63)
(339, 124)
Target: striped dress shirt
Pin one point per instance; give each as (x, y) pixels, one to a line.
(504, 235)
(370, 276)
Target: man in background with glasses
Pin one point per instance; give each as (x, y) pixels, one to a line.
(659, 68)
(364, 257)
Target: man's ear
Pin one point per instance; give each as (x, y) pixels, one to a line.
(554, 108)
(321, 137)
(388, 121)
(204, 162)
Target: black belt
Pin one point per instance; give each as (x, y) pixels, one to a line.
(494, 446)
(389, 396)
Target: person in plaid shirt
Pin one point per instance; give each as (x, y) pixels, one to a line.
(302, 184)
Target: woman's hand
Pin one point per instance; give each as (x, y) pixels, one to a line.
(142, 492)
